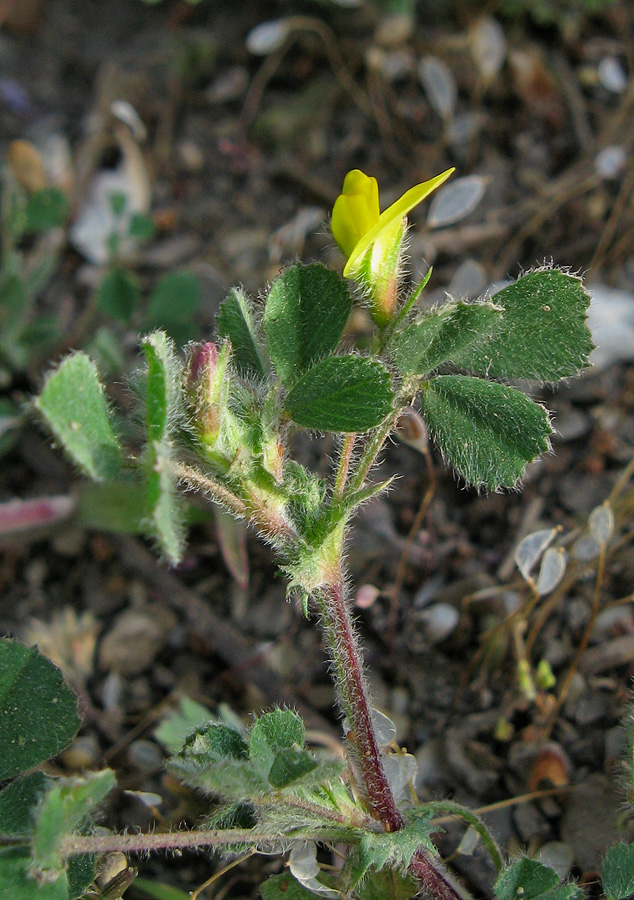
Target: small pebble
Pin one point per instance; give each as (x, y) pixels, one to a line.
(229, 86)
(529, 822)
(439, 620)
(617, 652)
(172, 251)
(133, 642)
(611, 75)
(557, 855)
(190, 155)
(431, 763)
(576, 689)
(145, 756)
(610, 161)
(468, 281)
(612, 621)
(111, 691)
(82, 753)
(591, 708)
(616, 741)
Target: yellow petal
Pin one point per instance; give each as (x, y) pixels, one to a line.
(356, 210)
(393, 213)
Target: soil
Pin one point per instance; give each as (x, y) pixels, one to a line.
(245, 156)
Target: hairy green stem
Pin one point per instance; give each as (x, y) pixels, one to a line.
(344, 466)
(192, 478)
(458, 811)
(372, 450)
(77, 844)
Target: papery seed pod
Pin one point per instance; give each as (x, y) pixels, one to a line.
(550, 767)
(27, 166)
(411, 429)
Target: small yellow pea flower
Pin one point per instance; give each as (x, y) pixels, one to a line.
(370, 239)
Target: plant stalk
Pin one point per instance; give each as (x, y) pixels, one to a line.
(353, 696)
(354, 701)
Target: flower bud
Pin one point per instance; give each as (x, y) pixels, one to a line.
(208, 388)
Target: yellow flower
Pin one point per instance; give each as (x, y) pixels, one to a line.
(357, 223)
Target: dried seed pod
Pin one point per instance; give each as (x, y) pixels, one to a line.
(550, 768)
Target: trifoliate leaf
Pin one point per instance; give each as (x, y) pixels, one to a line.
(280, 729)
(38, 713)
(617, 872)
(304, 317)
(487, 431)
(341, 393)
(68, 804)
(543, 334)
(235, 321)
(73, 405)
(289, 766)
(443, 335)
(527, 879)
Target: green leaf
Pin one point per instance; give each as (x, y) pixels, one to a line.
(14, 302)
(285, 887)
(487, 431)
(397, 847)
(119, 295)
(46, 209)
(118, 203)
(18, 882)
(289, 766)
(617, 872)
(115, 506)
(164, 507)
(80, 873)
(106, 349)
(11, 419)
(236, 815)
(214, 742)
(235, 322)
(164, 520)
(342, 393)
(280, 729)
(387, 885)
(18, 802)
(543, 334)
(173, 304)
(38, 335)
(38, 713)
(442, 335)
(527, 879)
(141, 227)
(164, 373)
(73, 405)
(231, 779)
(179, 723)
(154, 889)
(66, 806)
(304, 317)
(215, 758)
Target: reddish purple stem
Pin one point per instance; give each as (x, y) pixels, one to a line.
(353, 698)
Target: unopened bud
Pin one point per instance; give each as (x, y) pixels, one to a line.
(208, 387)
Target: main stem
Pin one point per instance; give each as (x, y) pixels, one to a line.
(354, 700)
(353, 696)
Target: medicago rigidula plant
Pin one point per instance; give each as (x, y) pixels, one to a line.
(217, 420)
